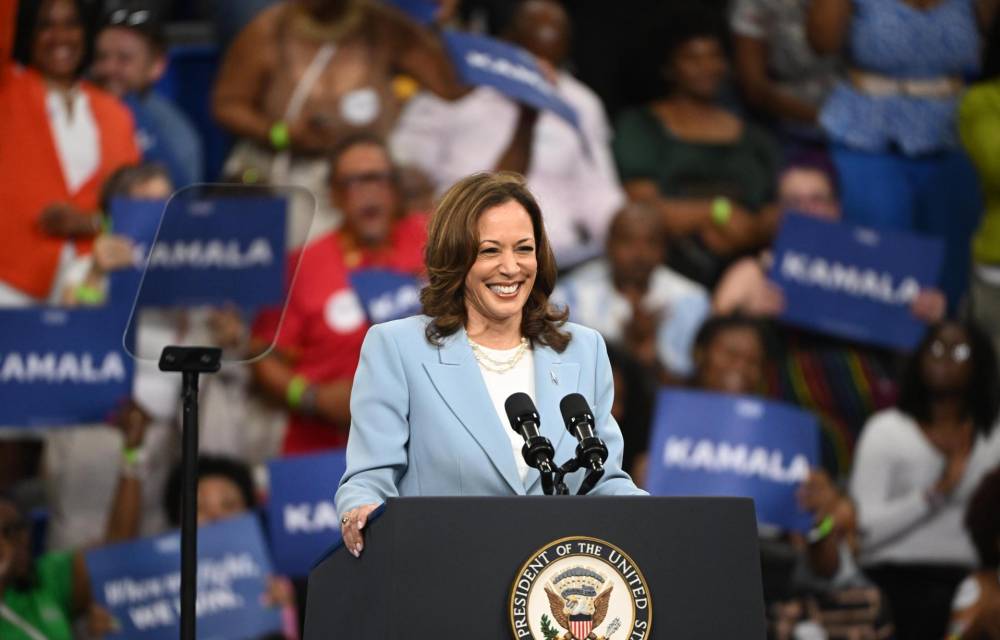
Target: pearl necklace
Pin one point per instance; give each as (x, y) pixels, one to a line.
(498, 366)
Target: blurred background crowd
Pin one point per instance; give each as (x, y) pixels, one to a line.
(700, 124)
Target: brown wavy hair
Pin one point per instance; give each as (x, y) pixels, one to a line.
(452, 247)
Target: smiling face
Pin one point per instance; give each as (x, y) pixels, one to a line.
(125, 61)
(502, 276)
(58, 47)
(542, 27)
(733, 362)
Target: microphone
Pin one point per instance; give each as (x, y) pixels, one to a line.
(537, 450)
(591, 450)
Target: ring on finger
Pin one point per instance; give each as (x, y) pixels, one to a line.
(347, 518)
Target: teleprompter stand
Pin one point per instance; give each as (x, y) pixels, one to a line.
(189, 362)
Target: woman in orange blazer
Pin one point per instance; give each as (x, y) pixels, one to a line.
(60, 138)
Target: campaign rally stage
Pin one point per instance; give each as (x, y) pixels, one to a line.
(139, 584)
(711, 444)
(853, 282)
(302, 521)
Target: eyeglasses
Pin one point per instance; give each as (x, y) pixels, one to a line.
(129, 18)
(380, 178)
(958, 352)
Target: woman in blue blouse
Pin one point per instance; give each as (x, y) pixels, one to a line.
(892, 121)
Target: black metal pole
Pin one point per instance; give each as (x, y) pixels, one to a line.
(189, 506)
(189, 361)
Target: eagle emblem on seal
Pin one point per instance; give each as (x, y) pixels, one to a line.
(579, 599)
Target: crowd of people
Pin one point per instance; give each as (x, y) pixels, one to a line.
(661, 206)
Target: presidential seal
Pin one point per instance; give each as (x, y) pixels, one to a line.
(580, 588)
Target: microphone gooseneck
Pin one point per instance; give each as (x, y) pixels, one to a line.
(591, 451)
(537, 450)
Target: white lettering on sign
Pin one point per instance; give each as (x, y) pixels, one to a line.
(741, 459)
(205, 254)
(855, 281)
(393, 304)
(508, 69)
(311, 518)
(51, 367)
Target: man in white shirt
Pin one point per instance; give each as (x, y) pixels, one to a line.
(633, 300)
(575, 183)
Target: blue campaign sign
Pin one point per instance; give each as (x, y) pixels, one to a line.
(710, 444)
(302, 520)
(853, 282)
(72, 356)
(139, 583)
(422, 11)
(208, 251)
(386, 294)
(509, 69)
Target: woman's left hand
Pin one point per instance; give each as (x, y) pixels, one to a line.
(351, 525)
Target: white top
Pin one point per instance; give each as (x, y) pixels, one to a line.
(894, 465)
(520, 378)
(681, 304)
(577, 193)
(74, 132)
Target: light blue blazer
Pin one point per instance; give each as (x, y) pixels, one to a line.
(423, 424)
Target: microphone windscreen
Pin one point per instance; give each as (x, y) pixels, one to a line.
(572, 406)
(517, 406)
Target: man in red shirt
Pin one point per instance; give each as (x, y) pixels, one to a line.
(318, 344)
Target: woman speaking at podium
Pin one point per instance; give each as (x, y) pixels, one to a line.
(427, 405)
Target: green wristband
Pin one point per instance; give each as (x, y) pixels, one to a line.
(132, 456)
(822, 530)
(89, 295)
(279, 135)
(722, 211)
(297, 387)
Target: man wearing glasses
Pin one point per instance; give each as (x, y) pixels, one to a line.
(319, 343)
(130, 57)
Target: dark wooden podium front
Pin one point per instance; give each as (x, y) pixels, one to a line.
(444, 567)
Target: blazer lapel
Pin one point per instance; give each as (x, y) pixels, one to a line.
(457, 378)
(554, 380)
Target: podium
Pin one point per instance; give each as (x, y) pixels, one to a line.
(622, 568)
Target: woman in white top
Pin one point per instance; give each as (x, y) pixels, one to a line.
(916, 467)
(428, 413)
